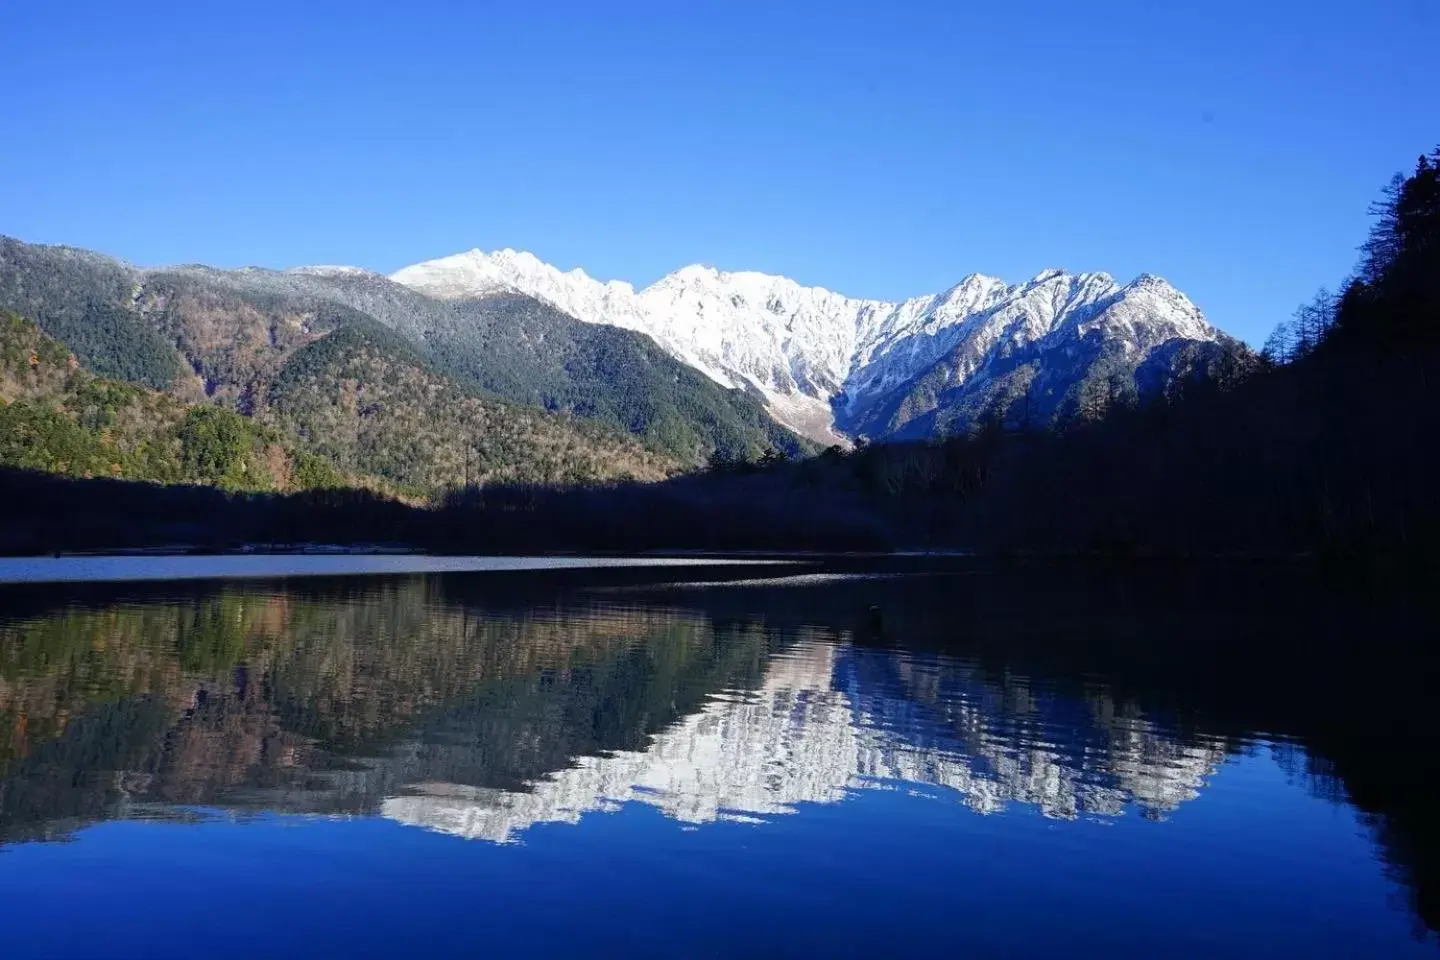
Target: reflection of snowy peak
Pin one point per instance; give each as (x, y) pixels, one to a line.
(818, 729)
(819, 357)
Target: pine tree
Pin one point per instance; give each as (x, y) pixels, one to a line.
(1280, 345)
(1383, 244)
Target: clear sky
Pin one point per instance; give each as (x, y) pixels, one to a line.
(881, 149)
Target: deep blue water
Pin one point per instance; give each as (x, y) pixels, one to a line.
(423, 765)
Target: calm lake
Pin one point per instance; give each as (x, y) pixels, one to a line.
(837, 758)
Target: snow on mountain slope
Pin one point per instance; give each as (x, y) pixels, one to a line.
(812, 353)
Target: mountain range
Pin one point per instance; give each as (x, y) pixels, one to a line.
(831, 366)
(501, 367)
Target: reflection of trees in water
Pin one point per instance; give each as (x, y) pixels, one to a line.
(481, 718)
(276, 699)
(1388, 769)
(282, 700)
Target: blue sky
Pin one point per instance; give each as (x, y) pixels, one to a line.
(881, 150)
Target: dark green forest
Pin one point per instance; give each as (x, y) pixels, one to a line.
(81, 300)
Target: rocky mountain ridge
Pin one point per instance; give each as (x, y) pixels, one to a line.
(827, 364)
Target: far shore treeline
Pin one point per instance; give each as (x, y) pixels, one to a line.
(1320, 443)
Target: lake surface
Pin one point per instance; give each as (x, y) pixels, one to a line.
(829, 760)
(112, 569)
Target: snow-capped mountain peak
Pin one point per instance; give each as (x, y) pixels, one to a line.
(813, 353)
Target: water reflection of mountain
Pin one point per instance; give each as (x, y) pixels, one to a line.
(830, 718)
(481, 722)
(293, 701)
(480, 714)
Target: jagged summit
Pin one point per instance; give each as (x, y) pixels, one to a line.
(820, 358)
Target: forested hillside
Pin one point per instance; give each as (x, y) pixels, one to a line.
(519, 348)
(344, 390)
(57, 417)
(369, 403)
(201, 333)
(234, 345)
(522, 348)
(85, 301)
